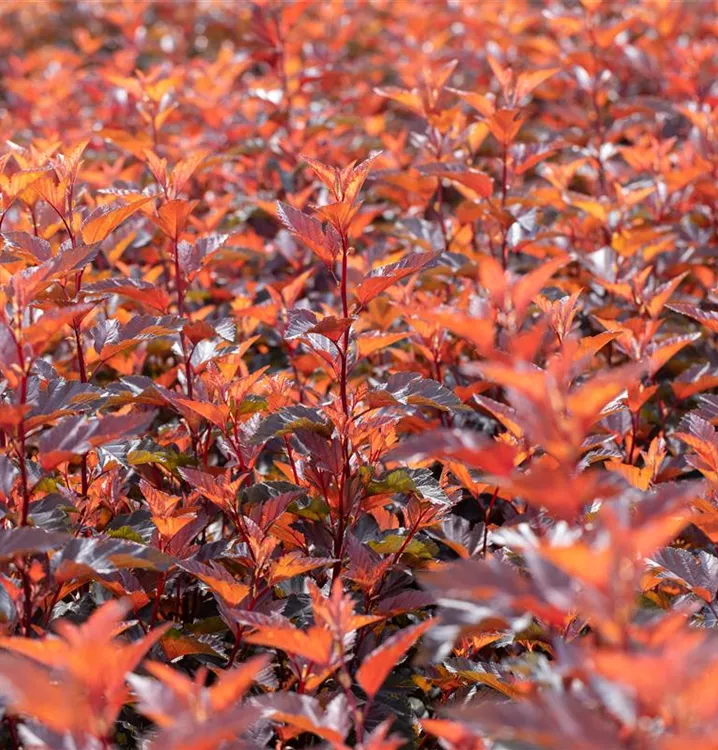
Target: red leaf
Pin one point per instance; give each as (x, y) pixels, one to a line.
(382, 278)
(325, 243)
(106, 219)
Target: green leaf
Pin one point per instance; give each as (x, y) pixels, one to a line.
(314, 509)
(408, 481)
(393, 482)
(251, 405)
(127, 533)
(425, 550)
(167, 458)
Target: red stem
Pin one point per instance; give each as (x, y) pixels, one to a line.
(343, 378)
(12, 728)
(83, 379)
(290, 453)
(235, 648)
(84, 476)
(345, 313)
(486, 520)
(180, 311)
(25, 509)
(158, 597)
(504, 194)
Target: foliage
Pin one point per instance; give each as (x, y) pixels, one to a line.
(358, 374)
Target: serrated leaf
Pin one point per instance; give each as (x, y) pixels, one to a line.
(392, 543)
(290, 419)
(698, 571)
(411, 389)
(27, 540)
(104, 220)
(76, 435)
(376, 667)
(106, 556)
(376, 281)
(326, 243)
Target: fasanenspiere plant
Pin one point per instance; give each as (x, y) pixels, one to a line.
(358, 375)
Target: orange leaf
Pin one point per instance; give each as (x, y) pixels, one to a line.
(172, 217)
(376, 666)
(315, 644)
(105, 220)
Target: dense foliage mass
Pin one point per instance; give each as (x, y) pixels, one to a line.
(357, 374)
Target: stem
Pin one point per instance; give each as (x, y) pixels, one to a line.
(300, 387)
(180, 311)
(343, 378)
(83, 379)
(345, 681)
(237, 445)
(178, 279)
(235, 648)
(504, 194)
(504, 174)
(376, 590)
(68, 229)
(80, 354)
(12, 728)
(286, 98)
(158, 596)
(440, 212)
(634, 436)
(33, 215)
(53, 602)
(303, 677)
(445, 421)
(27, 596)
(345, 313)
(85, 484)
(290, 453)
(25, 509)
(339, 535)
(486, 521)
(257, 594)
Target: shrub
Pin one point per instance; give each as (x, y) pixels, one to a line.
(358, 368)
